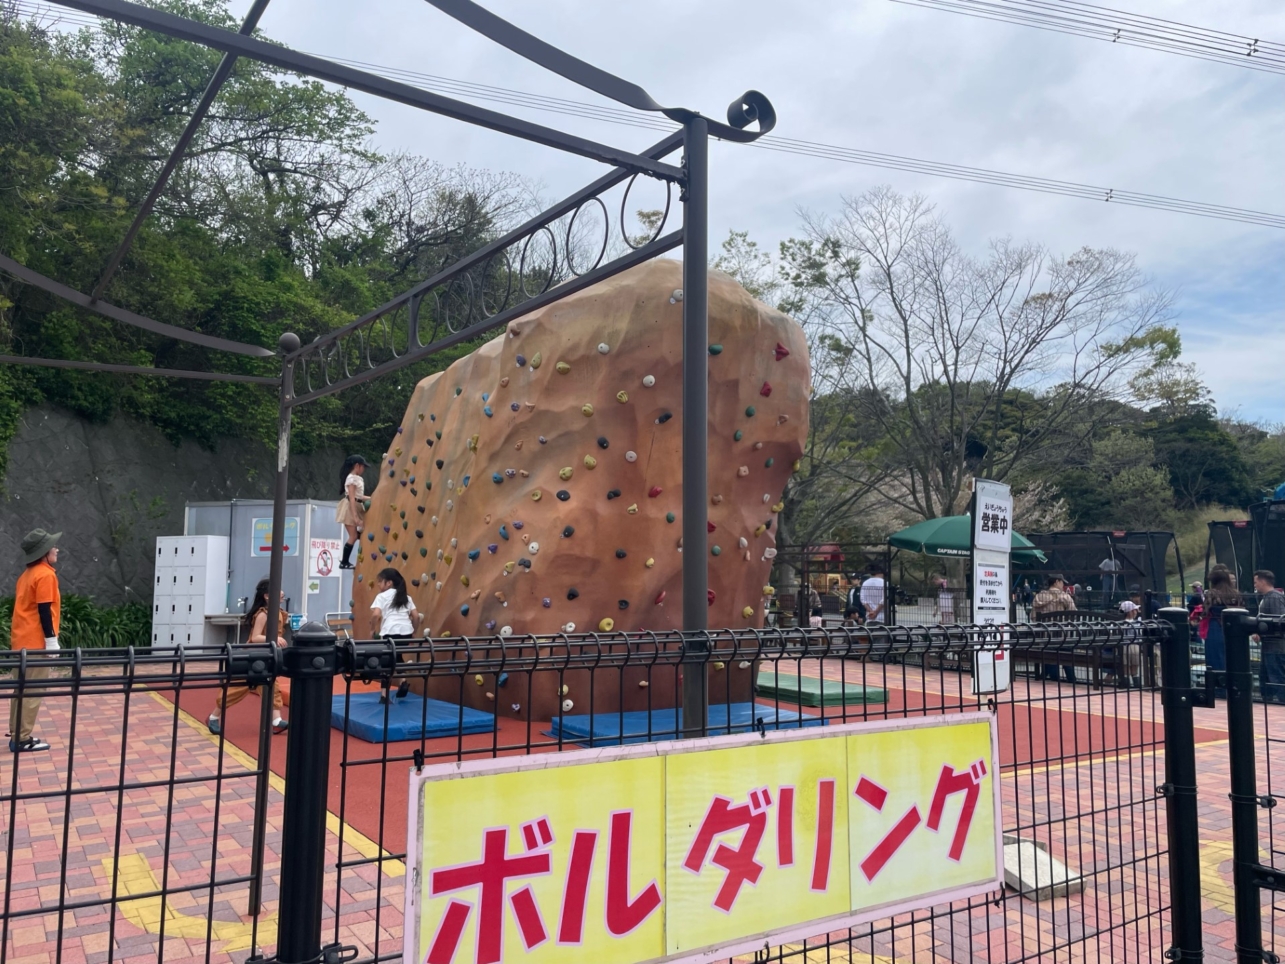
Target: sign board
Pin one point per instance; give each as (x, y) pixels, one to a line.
(992, 516)
(990, 592)
(323, 557)
(697, 850)
(261, 537)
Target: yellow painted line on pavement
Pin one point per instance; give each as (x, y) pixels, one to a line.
(358, 841)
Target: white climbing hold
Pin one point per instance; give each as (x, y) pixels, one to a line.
(569, 628)
(743, 542)
(450, 505)
(434, 520)
(676, 297)
(439, 586)
(567, 706)
(439, 554)
(506, 630)
(534, 548)
(455, 543)
(631, 456)
(743, 664)
(769, 554)
(603, 348)
(564, 689)
(649, 380)
(767, 497)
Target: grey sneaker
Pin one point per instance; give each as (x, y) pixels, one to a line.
(29, 745)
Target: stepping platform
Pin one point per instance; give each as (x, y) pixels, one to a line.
(413, 718)
(810, 691)
(643, 726)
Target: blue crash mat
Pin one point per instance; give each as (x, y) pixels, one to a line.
(612, 729)
(407, 719)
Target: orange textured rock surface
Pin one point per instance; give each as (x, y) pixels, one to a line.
(537, 483)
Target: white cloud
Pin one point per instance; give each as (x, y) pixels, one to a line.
(883, 76)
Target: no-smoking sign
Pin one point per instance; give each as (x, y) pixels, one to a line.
(321, 557)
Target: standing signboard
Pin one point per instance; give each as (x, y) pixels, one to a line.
(698, 850)
(992, 543)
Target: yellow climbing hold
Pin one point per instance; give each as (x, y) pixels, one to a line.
(796, 465)
(535, 496)
(464, 579)
(760, 530)
(747, 612)
(622, 397)
(562, 367)
(565, 472)
(508, 566)
(769, 591)
(586, 409)
(397, 451)
(478, 679)
(719, 664)
(778, 507)
(446, 559)
(590, 462)
(606, 624)
(535, 360)
(649, 563)
(472, 442)
(633, 509)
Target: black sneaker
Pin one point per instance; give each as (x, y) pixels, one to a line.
(29, 745)
(403, 689)
(345, 565)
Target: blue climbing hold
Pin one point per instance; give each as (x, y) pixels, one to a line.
(504, 533)
(497, 478)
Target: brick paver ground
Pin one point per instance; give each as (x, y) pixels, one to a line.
(1079, 777)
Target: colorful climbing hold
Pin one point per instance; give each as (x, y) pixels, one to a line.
(504, 533)
(749, 411)
(743, 471)
(737, 435)
(670, 517)
(546, 602)
(654, 491)
(716, 349)
(590, 462)
(709, 597)
(536, 360)
(573, 593)
(464, 612)
(603, 348)
(633, 509)
(622, 603)
(602, 442)
(613, 494)
(563, 495)
(620, 553)
(586, 410)
(660, 597)
(769, 463)
(715, 550)
(622, 397)
(649, 381)
(766, 390)
(605, 625)
(497, 478)
(664, 418)
(649, 563)
(568, 532)
(562, 367)
(631, 456)
(536, 496)
(709, 525)
(781, 351)
(565, 472)
(521, 361)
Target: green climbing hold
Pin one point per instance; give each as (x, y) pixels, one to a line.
(737, 435)
(749, 411)
(438, 433)
(669, 517)
(414, 459)
(458, 389)
(716, 349)
(715, 550)
(768, 463)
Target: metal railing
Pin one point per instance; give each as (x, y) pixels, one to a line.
(140, 834)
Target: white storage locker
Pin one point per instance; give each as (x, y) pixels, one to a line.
(190, 583)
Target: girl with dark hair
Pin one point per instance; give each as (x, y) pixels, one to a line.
(256, 623)
(351, 511)
(1219, 596)
(395, 617)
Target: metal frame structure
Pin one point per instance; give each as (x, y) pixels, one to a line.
(452, 306)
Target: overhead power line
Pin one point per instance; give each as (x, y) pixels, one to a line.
(784, 145)
(1120, 27)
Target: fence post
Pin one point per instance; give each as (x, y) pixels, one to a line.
(1180, 788)
(311, 663)
(1244, 786)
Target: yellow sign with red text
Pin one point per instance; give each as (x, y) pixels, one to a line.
(691, 850)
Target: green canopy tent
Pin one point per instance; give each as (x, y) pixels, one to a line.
(949, 537)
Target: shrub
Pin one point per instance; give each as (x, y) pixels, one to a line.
(90, 626)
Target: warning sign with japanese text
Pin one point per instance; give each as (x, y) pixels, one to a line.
(686, 850)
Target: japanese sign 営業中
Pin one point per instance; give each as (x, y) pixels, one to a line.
(665, 852)
(993, 522)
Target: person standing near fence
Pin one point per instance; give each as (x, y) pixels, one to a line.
(854, 611)
(945, 603)
(257, 620)
(1221, 595)
(874, 596)
(351, 511)
(1271, 603)
(37, 606)
(1053, 598)
(1131, 653)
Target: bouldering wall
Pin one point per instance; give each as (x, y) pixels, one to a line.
(535, 486)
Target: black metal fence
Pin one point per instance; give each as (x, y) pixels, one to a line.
(141, 835)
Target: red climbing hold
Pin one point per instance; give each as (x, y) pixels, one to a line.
(709, 526)
(766, 390)
(653, 492)
(781, 351)
(709, 595)
(660, 597)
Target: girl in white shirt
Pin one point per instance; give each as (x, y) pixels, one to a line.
(351, 511)
(395, 617)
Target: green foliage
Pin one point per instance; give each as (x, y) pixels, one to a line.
(1204, 462)
(281, 217)
(89, 626)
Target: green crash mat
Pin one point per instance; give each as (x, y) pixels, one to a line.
(807, 690)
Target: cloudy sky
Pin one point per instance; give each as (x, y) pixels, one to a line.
(882, 76)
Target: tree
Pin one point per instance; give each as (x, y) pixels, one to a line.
(1000, 366)
(1120, 486)
(1204, 462)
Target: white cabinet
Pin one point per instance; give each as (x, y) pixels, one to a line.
(191, 583)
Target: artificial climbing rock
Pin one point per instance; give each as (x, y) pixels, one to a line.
(636, 480)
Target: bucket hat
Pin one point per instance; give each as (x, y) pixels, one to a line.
(37, 543)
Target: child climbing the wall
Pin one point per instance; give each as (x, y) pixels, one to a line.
(395, 617)
(351, 511)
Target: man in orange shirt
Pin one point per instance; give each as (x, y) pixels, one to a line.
(36, 611)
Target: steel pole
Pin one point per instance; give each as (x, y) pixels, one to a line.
(1182, 820)
(1244, 787)
(313, 663)
(695, 424)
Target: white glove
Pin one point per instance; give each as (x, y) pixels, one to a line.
(51, 643)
